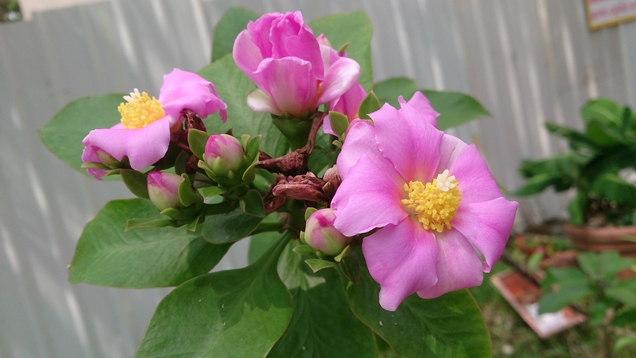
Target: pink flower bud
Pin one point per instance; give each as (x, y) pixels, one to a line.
(322, 236)
(223, 153)
(163, 189)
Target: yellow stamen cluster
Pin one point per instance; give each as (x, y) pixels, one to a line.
(435, 203)
(140, 111)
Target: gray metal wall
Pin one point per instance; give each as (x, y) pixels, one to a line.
(527, 61)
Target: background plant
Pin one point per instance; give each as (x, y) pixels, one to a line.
(599, 166)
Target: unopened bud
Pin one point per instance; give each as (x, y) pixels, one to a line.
(163, 189)
(223, 154)
(322, 236)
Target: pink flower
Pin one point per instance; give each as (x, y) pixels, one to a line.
(347, 104)
(163, 190)
(322, 236)
(281, 55)
(432, 198)
(143, 135)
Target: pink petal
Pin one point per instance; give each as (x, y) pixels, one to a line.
(291, 37)
(247, 55)
(186, 90)
(143, 146)
(360, 140)
(411, 144)
(339, 78)
(89, 155)
(486, 225)
(402, 259)
(259, 101)
(349, 103)
(473, 177)
(458, 266)
(419, 106)
(367, 198)
(450, 147)
(289, 84)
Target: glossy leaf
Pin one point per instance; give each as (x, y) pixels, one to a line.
(454, 108)
(241, 119)
(355, 28)
(448, 326)
(241, 313)
(230, 227)
(252, 203)
(369, 104)
(136, 182)
(229, 26)
(106, 255)
(64, 133)
(197, 140)
(319, 264)
(322, 325)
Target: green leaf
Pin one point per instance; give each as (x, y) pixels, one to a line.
(611, 187)
(563, 277)
(603, 110)
(624, 317)
(260, 243)
(577, 139)
(454, 108)
(241, 313)
(106, 255)
(355, 28)
(389, 90)
(146, 223)
(230, 227)
(448, 326)
(623, 342)
(319, 264)
(322, 325)
(136, 182)
(210, 192)
(339, 123)
(536, 184)
(554, 301)
(227, 29)
(623, 292)
(252, 203)
(241, 119)
(64, 133)
(324, 154)
(369, 104)
(197, 140)
(604, 136)
(577, 208)
(304, 250)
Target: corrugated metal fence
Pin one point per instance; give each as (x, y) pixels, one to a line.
(527, 62)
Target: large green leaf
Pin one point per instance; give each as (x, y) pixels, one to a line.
(239, 313)
(554, 301)
(602, 110)
(611, 187)
(64, 133)
(354, 28)
(389, 90)
(454, 108)
(233, 87)
(230, 227)
(536, 184)
(106, 255)
(448, 326)
(322, 324)
(231, 24)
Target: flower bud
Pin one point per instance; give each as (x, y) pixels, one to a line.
(223, 154)
(163, 189)
(322, 236)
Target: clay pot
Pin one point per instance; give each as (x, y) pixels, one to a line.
(603, 238)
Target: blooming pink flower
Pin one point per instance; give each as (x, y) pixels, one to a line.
(281, 55)
(143, 135)
(432, 197)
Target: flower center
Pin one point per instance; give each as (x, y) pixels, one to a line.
(140, 111)
(435, 203)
